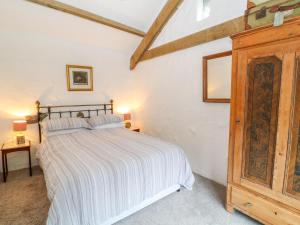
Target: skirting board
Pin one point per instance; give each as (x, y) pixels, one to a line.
(144, 204)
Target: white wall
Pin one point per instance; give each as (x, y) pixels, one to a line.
(36, 43)
(172, 85)
(165, 93)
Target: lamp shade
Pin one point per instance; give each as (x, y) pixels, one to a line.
(19, 125)
(127, 116)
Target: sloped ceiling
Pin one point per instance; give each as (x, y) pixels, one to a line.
(136, 13)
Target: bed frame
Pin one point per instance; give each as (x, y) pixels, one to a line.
(83, 111)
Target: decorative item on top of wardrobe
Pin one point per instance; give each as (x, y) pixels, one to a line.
(261, 13)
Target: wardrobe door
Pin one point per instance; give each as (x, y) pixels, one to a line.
(261, 127)
(261, 117)
(293, 176)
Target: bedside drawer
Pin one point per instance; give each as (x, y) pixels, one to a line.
(262, 209)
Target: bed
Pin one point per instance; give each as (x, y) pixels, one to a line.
(100, 176)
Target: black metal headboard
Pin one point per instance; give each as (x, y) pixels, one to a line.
(59, 110)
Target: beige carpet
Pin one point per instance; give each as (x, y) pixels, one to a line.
(23, 201)
(23, 198)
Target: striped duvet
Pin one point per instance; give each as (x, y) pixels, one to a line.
(94, 175)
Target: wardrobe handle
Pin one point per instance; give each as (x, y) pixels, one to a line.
(248, 205)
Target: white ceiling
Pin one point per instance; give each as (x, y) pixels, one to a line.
(139, 14)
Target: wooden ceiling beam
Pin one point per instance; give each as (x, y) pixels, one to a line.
(217, 32)
(87, 15)
(163, 17)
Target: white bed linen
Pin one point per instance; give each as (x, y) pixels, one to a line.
(95, 175)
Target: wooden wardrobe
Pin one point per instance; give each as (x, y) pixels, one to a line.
(264, 149)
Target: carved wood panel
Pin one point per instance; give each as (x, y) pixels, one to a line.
(293, 186)
(262, 103)
(296, 184)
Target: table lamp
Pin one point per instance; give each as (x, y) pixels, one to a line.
(127, 118)
(19, 126)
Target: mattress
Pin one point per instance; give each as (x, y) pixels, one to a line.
(95, 175)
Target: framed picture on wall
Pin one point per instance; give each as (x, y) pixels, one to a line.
(79, 78)
(217, 77)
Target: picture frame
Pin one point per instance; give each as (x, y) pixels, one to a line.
(79, 78)
(217, 69)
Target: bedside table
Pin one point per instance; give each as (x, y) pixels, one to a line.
(10, 147)
(136, 129)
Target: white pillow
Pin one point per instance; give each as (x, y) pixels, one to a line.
(60, 132)
(104, 119)
(64, 124)
(110, 125)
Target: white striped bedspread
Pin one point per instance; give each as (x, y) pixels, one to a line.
(94, 175)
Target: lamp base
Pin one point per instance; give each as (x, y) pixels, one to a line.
(20, 140)
(127, 124)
